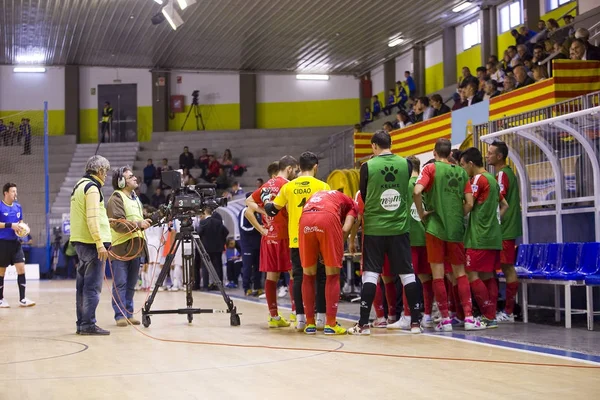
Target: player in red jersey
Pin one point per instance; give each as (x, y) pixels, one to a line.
(274, 247)
(326, 222)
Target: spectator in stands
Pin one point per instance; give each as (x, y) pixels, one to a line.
(388, 127)
(459, 100)
(539, 53)
(528, 63)
(481, 73)
(401, 95)
(540, 73)
(236, 189)
(578, 51)
(186, 159)
(509, 83)
(142, 196)
(203, 162)
(149, 174)
(471, 93)
(491, 90)
(12, 132)
(493, 59)
(541, 25)
(222, 180)
(186, 177)
(259, 182)
(514, 56)
(439, 108)
(376, 106)
(552, 26)
(568, 21)
(467, 77)
(412, 86)
(522, 51)
(592, 52)
(561, 53)
(402, 119)
(519, 39)
(527, 33)
(392, 101)
(495, 74)
(26, 129)
(164, 167)
(158, 198)
(521, 77)
(368, 117)
(423, 111)
(227, 160)
(213, 168)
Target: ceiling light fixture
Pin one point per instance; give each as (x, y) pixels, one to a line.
(395, 42)
(183, 4)
(30, 58)
(172, 16)
(29, 69)
(159, 2)
(462, 7)
(312, 77)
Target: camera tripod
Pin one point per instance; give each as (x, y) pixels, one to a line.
(197, 114)
(190, 242)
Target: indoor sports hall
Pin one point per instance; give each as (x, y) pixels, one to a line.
(172, 169)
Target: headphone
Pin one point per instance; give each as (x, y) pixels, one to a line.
(121, 182)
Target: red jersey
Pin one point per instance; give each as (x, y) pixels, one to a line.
(360, 203)
(276, 226)
(481, 188)
(334, 202)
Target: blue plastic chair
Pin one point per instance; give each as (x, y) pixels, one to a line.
(535, 260)
(590, 259)
(550, 261)
(569, 261)
(523, 252)
(592, 280)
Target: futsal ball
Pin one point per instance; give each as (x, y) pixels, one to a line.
(23, 230)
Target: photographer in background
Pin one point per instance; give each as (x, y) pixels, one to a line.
(127, 224)
(213, 234)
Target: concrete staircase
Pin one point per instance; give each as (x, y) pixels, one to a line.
(254, 148)
(119, 154)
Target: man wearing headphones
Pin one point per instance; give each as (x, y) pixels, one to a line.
(125, 213)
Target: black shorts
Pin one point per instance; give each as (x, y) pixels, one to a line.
(11, 253)
(397, 249)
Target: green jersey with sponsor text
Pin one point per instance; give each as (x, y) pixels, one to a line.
(417, 228)
(483, 229)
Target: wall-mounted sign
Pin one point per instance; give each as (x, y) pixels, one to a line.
(93, 91)
(161, 81)
(179, 79)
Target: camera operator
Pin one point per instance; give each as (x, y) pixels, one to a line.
(213, 234)
(127, 224)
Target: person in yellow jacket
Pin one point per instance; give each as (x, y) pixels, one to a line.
(126, 216)
(107, 116)
(91, 236)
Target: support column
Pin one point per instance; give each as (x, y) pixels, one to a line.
(419, 68)
(72, 100)
(531, 13)
(489, 42)
(364, 98)
(389, 76)
(160, 101)
(247, 101)
(449, 56)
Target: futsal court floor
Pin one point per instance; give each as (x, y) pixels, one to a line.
(41, 357)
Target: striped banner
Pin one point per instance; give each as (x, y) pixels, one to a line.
(529, 98)
(575, 78)
(420, 138)
(362, 145)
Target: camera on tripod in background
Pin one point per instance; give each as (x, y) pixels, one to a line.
(195, 95)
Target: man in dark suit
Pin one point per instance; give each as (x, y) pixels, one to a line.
(521, 77)
(213, 235)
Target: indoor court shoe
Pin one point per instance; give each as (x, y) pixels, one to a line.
(379, 323)
(427, 322)
(122, 322)
(334, 330)
(94, 331)
(360, 330)
(471, 324)
(444, 325)
(300, 322)
(282, 292)
(320, 320)
(310, 329)
(26, 303)
(403, 323)
(489, 323)
(415, 328)
(134, 321)
(504, 318)
(4, 304)
(278, 322)
(292, 318)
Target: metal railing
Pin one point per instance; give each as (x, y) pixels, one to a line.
(338, 151)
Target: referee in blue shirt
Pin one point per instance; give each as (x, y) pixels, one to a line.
(11, 252)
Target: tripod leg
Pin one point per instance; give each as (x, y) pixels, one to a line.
(213, 274)
(199, 117)
(186, 117)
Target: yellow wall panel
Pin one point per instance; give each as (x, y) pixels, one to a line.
(217, 117)
(470, 58)
(56, 120)
(300, 114)
(434, 78)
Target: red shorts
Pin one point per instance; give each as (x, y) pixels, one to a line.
(482, 260)
(419, 260)
(439, 251)
(508, 255)
(275, 255)
(321, 233)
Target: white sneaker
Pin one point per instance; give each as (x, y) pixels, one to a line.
(26, 303)
(503, 317)
(379, 322)
(403, 323)
(472, 324)
(173, 289)
(4, 304)
(263, 296)
(445, 325)
(427, 322)
(282, 292)
(320, 321)
(300, 322)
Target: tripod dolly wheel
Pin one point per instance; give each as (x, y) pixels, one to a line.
(146, 321)
(235, 320)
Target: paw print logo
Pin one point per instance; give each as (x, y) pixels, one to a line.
(390, 174)
(455, 179)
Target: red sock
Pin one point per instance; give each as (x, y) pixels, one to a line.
(428, 296)
(405, 304)
(511, 293)
(291, 292)
(464, 294)
(378, 302)
(271, 293)
(492, 287)
(460, 314)
(308, 297)
(451, 299)
(483, 298)
(390, 296)
(332, 297)
(439, 290)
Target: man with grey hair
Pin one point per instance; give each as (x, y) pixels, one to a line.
(91, 236)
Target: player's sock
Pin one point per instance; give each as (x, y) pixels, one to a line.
(511, 293)
(332, 294)
(439, 290)
(320, 291)
(308, 296)
(450, 292)
(464, 294)
(427, 297)
(460, 314)
(366, 300)
(492, 287)
(378, 302)
(271, 294)
(291, 292)
(390, 296)
(483, 298)
(411, 295)
(21, 283)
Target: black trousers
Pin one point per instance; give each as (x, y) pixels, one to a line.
(217, 262)
(234, 268)
(251, 275)
(298, 274)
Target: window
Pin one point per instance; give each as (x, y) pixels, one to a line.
(511, 16)
(471, 34)
(553, 4)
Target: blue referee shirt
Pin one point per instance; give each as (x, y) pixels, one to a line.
(13, 214)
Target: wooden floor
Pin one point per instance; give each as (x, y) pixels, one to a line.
(42, 358)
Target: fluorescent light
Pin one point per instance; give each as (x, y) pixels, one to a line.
(183, 4)
(172, 16)
(29, 69)
(31, 58)
(461, 7)
(395, 42)
(159, 2)
(312, 77)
